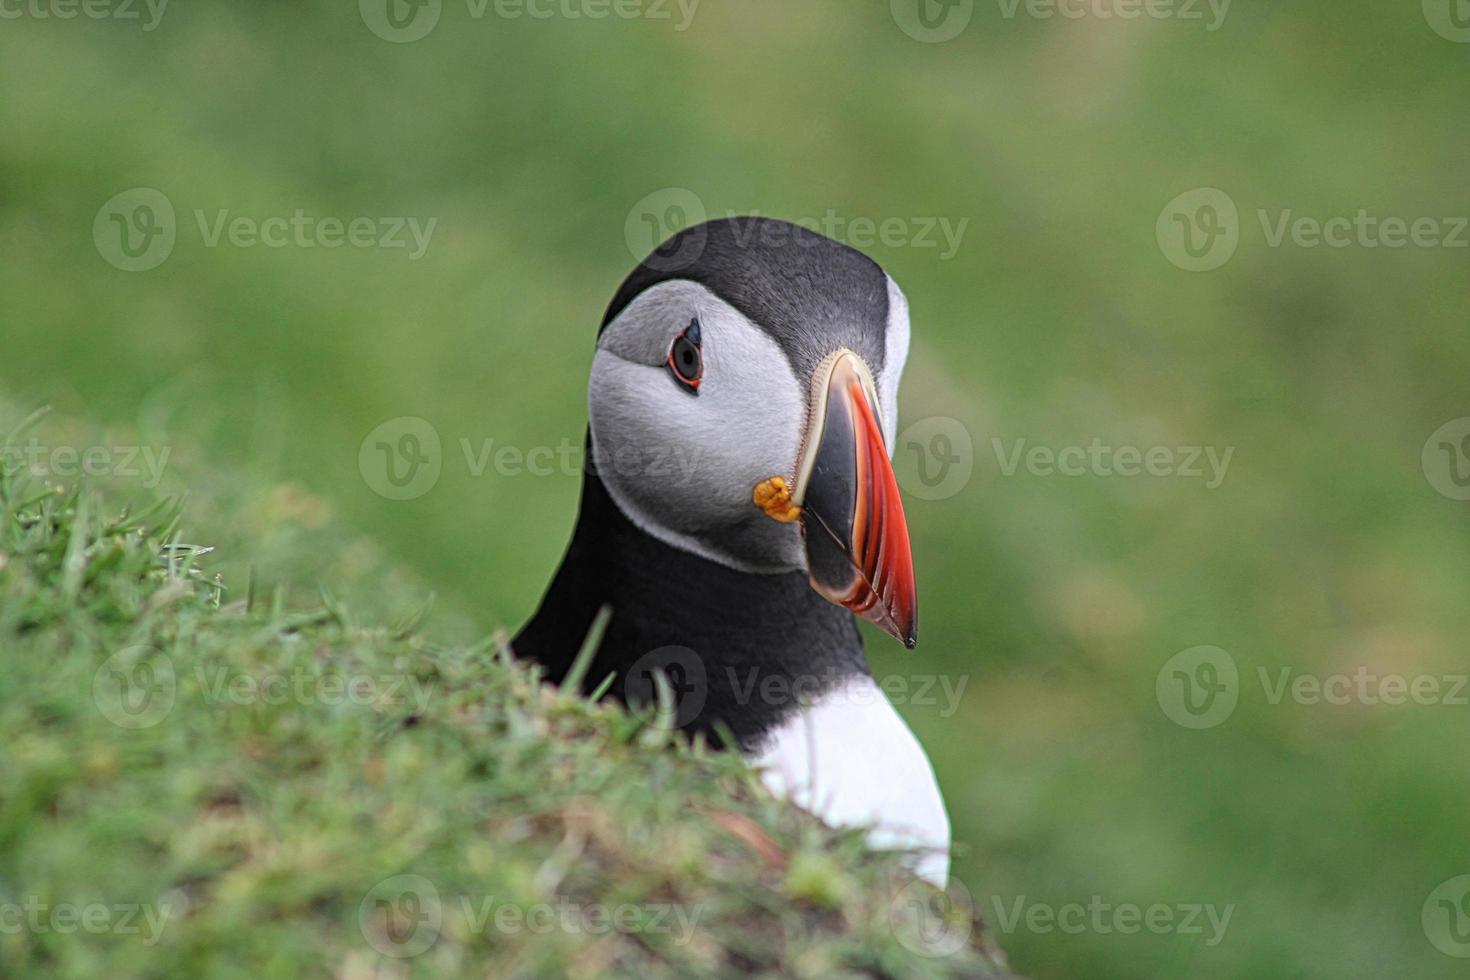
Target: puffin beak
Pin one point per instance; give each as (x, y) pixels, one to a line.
(857, 541)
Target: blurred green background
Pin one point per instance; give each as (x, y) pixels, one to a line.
(542, 148)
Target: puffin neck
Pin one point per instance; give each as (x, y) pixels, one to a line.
(766, 643)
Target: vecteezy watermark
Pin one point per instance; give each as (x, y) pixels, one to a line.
(310, 687)
(302, 230)
(1200, 687)
(401, 916)
(135, 687)
(1207, 463)
(679, 675)
(655, 218)
(403, 458)
(1104, 918)
(402, 21)
(936, 21)
(137, 229)
(35, 915)
(930, 922)
(932, 21)
(1450, 19)
(674, 674)
(1446, 459)
(756, 686)
(1363, 686)
(1446, 917)
(934, 457)
(1200, 230)
(1364, 229)
(404, 916)
(651, 224)
(1211, 13)
(673, 464)
(69, 462)
(148, 13)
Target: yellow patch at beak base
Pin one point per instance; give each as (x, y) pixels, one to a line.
(774, 497)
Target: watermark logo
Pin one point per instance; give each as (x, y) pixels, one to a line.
(147, 463)
(688, 682)
(934, 458)
(91, 9)
(302, 230)
(1199, 230)
(401, 916)
(400, 21)
(1446, 459)
(1207, 463)
(401, 459)
(1446, 917)
(35, 915)
(1363, 686)
(932, 21)
(135, 687)
(936, 21)
(1199, 687)
(929, 922)
(1211, 12)
(404, 916)
(308, 687)
(652, 222)
(1449, 18)
(681, 669)
(656, 218)
(1363, 229)
(1105, 918)
(135, 230)
(754, 685)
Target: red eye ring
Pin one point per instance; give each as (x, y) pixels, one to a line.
(686, 360)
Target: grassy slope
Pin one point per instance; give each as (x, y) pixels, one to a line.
(261, 826)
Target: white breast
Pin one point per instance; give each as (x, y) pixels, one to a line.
(850, 759)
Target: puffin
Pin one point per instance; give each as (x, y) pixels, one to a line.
(739, 511)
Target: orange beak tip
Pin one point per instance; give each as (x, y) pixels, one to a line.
(857, 538)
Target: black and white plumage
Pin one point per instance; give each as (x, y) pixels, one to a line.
(749, 348)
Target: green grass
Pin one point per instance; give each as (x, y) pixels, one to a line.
(232, 785)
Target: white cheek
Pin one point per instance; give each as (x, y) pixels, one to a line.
(683, 467)
(895, 353)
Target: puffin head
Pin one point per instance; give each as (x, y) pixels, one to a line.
(743, 405)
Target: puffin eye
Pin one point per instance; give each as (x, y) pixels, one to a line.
(686, 361)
